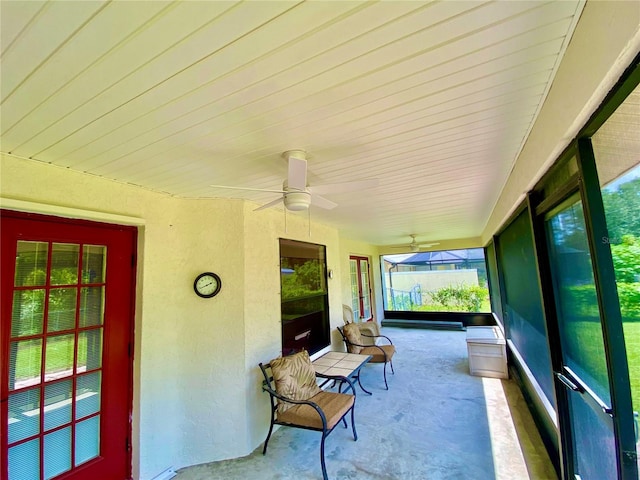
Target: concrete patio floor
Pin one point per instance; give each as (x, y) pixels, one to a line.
(435, 422)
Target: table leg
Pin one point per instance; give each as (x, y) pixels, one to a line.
(357, 377)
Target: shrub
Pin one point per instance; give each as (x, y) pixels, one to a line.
(461, 297)
(629, 294)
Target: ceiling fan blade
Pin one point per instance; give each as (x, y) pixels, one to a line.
(247, 188)
(269, 205)
(345, 187)
(427, 245)
(318, 201)
(297, 176)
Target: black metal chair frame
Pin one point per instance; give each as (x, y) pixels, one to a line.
(267, 386)
(386, 359)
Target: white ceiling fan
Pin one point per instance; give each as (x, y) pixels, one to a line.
(414, 246)
(296, 194)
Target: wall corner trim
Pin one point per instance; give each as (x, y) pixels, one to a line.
(68, 212)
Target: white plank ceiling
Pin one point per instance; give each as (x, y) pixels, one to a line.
(434, 99)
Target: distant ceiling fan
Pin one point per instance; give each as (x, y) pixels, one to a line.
(414, 246)
(296, 194)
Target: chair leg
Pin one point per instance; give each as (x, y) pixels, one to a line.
(266, 442)
(385, 376)
(353, 424)
(324, 467)
(391, 363)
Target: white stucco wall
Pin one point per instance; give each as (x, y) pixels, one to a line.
(262, 334)
(197, 391)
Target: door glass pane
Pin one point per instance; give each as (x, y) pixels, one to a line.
(88, 394)
(31, 264)
(24, 461)
(25, 363)
(24, 414)
(91, 306)
(364, 278)
(28, 312)
(59, 357)
(89, 350)
(576, 300)
(64, 264)
(57, 452)
(93, 263)
(57, 404)
(62, 309)
(87, 439)
(355, 289)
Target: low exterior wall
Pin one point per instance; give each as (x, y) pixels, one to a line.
(431, 280)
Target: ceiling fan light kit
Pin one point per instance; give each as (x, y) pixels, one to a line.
(297, 201)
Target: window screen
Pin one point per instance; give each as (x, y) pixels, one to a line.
(523, 314)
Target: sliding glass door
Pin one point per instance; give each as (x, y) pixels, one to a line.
(584, 368)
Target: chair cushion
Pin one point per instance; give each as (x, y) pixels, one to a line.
(371, 329)
(352, 332)
(347, 314)
(333, 405)
(295, 378)
(377, 355)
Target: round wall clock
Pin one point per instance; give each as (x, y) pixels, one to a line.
(207, 285)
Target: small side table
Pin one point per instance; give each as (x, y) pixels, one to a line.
(343, 364)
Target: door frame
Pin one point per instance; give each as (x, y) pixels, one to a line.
(131, 229)
(586, 185)
(357, 259)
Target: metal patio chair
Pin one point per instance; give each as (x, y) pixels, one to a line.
(370, 329)
(297, 400)
(354, 341)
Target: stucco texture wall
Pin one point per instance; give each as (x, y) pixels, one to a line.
(197, 392)
(262, 334)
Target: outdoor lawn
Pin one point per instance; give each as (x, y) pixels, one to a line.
(632, 340)
(588, 340)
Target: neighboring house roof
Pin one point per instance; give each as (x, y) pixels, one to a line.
(444, 256)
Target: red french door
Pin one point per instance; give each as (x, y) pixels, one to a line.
(66, 305)
(360, 288)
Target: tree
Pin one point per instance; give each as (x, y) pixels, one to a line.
(626, 262)
(622, 208)
(626, 259)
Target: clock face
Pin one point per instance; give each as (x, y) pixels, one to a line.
(207, 284)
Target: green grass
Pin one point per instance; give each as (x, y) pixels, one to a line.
(59, 356)
(632, 341)
(587, 339)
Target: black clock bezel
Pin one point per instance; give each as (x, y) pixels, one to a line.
(207, 295)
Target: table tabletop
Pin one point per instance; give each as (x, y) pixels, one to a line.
(340, 363)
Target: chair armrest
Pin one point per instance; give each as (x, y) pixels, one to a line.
(271, 391)
(313, 405)
(338, 378)
(376, 336)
